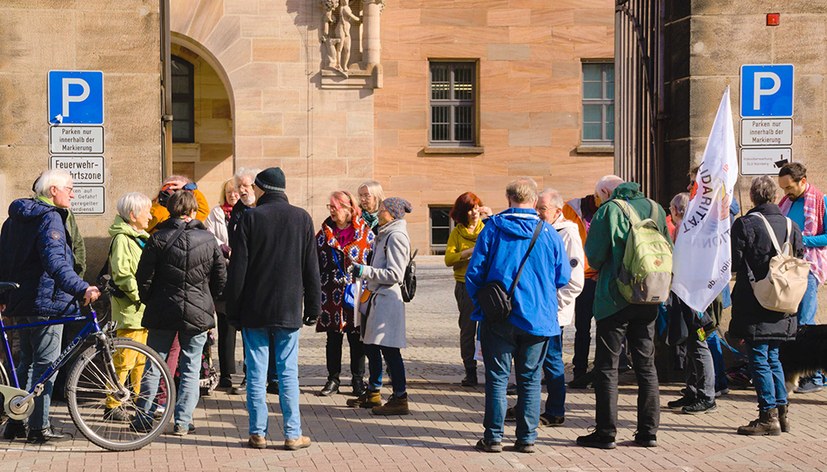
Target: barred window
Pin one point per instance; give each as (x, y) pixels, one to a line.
(453, 104)
(598, 103)
(183, 101)
(441, 226)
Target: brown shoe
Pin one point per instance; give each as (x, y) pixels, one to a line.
(394, 406)
(766, 425)
(366, 400)
(257, 442)
(783, 421)
(296, 444)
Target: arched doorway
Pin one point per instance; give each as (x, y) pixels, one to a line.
(202, 130)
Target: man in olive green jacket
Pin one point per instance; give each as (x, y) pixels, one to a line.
(617, 319)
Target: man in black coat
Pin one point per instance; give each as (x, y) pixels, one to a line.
(273, 269)
(762, 330)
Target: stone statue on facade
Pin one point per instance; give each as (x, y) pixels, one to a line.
(350, 44)
(336, 38)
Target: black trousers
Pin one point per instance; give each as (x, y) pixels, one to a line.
(583, 327)
(637, 324)
(333, 350)
(467, 326)
(226, 346)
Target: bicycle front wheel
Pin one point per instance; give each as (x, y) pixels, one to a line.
(106, 418)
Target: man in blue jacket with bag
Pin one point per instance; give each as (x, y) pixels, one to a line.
(36, 252)
(502, 246)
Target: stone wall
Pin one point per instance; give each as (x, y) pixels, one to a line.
(709, 42)
(37, 36)
(530, 90)
(268, 55)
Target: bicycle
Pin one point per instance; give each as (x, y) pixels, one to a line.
(92, 384)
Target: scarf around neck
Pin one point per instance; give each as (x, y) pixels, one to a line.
(813, 225)
(371, 219)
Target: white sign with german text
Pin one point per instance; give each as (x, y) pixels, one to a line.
(89, 200)
(76, 140)
(764, 161)
(767, 132)
(85, 170)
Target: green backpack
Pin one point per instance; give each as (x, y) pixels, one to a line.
(645, 277)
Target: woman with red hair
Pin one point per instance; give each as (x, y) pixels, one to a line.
(467, 213)
(343, 240)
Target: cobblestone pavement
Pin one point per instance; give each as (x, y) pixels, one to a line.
(445, 423)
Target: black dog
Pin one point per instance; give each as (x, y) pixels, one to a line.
(804, 356)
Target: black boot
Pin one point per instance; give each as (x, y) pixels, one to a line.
(15, 430)
(46, 435)
(470, 379)
(330, 387)
(359, 386)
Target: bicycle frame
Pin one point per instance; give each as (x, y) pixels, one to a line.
(91, 327)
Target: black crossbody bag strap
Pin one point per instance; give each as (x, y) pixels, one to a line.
(537, 230)
(173, 238)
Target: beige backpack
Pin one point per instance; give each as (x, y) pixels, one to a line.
(784, 286)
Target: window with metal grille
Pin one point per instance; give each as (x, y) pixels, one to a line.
(183, 101)
(453, 104)
(441, 226)
(598, 103)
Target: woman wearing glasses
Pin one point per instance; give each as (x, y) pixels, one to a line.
(343, 240)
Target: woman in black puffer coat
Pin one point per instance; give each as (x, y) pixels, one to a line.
(180, 272)
(762, 330)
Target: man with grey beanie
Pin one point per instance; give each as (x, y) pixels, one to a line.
(273, 287)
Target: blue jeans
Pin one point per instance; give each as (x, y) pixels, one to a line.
(767, 374)
(396, 368)
(554, 371)
(189, 368)
(39, 347)
(502, 342)
(807, 315)
(257, 355)
(717, 351)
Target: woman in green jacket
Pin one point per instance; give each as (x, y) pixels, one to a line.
(467, 213)
(129, 237)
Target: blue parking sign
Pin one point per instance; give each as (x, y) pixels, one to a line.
(75, 97)
(767, 90)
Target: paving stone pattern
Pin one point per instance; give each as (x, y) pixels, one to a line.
(445, 423)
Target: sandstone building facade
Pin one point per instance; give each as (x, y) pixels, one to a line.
(438, 98)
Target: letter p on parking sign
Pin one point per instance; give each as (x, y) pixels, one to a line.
(767, 90)
(75, 97)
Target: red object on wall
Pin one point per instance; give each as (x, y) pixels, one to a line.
(773, 19)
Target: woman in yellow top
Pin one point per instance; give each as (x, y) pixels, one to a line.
(467, 213)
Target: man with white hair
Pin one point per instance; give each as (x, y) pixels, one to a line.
(581, 211)
(36, 252)
(550, 209)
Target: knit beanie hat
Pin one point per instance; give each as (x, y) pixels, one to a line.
(271, 180)
(397, 207)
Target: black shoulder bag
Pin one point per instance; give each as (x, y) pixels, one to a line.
(494, 301)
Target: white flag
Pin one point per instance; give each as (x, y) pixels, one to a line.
(702, 261)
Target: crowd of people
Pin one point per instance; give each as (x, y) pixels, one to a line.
(257, 264)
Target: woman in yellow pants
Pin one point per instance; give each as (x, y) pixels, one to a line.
(129, 236)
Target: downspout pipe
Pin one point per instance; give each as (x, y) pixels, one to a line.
(166, 92)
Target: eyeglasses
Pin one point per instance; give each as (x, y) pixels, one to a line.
(69, 190)
(331, 207)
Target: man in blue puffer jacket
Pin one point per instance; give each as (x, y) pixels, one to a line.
(36, 252)
(524, 335)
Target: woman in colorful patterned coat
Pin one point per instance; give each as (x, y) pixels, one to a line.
(343, 240)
